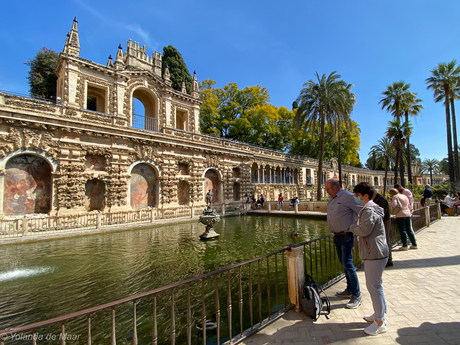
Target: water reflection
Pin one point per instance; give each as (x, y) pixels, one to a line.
(48, 279)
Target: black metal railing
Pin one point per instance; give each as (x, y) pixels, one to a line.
(145, 122)
(236, 301)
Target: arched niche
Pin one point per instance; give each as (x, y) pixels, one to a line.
(212, 182)
(95, 195)
(27, 185)
(143, 186)
(236, 191)
(183, 193)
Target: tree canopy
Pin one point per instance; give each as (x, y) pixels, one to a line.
(42, 78)
(177, 68)
(244, 115)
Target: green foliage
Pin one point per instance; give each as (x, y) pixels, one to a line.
(42, 78)
(308, 144)
(177, 68)
(244, 115)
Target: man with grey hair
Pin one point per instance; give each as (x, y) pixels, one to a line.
(342, 212)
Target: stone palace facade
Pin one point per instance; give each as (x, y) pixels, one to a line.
(89, 151)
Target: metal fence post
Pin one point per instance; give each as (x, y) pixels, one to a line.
(296, 275)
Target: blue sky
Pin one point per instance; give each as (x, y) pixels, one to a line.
(275, 44)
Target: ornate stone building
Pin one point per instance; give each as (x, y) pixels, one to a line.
(90, 150)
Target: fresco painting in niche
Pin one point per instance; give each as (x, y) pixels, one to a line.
(27, 186)
(95, 195)
(143, 186)
(211, 182)
(95, 163)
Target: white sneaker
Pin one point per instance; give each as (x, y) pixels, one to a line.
(369, 318)
(375, 329)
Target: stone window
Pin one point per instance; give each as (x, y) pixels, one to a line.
(96, 98)
(181, 119)
(236, 172)
(183, 169)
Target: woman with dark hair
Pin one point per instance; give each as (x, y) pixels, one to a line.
(374, 251)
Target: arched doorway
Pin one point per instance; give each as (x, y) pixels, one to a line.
(27, 186)
(143, 186)
(145, 114)
(95, 195)
(211, 182)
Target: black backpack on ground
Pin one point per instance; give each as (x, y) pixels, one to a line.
(312, 303)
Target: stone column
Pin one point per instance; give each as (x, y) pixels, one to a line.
(296, 276)
(427, 215)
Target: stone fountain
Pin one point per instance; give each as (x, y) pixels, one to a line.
(208, 218)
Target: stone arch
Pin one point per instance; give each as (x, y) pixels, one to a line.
(27, 184)
(213, 181)
(150, 101)
(95, 195)
(183, 192)
(255, 173)
(143, 185)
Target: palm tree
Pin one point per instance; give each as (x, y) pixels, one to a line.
(394, 99)
(317, 103)
(397, 132)
(430, 165)
(412, 107)
(345, 107)
(443, 78)
(383, 154)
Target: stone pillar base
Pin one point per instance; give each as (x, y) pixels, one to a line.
(296, 276)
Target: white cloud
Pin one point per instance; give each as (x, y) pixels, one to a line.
(142, 35)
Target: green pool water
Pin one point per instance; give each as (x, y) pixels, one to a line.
(47, 279)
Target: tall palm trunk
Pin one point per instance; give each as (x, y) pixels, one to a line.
(449, 135)
(340, 156)
(396, 166)
(401, 164)
(454, 133)
(409, 160)
(386, 174)
(319, 180)
(431, 176)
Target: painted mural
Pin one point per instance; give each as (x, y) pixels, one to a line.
(95, 195)
(211, 182)
(27, 186)
(143, 186)
(95, 163)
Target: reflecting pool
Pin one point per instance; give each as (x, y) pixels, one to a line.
(47, 279)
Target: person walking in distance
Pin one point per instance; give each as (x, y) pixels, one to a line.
(342, 212)
(280, 201)
(427, 195)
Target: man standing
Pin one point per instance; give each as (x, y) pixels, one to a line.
(427, 194)
(407, 193)
(383, 203)
(280, 201)
(342, 212)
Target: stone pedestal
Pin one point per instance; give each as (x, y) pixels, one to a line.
(208, 218)
(296, 276)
